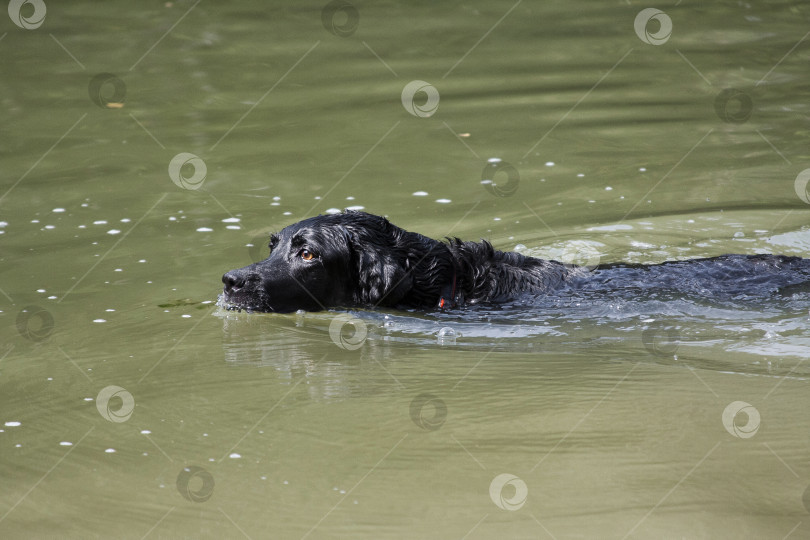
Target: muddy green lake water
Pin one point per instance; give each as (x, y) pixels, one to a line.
(147, 148)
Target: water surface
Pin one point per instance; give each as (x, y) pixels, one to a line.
(134, 407)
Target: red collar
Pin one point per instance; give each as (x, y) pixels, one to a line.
(449, 300)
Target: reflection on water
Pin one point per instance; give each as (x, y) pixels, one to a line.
(672, 329)
(592, 133)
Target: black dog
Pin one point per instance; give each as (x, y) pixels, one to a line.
(359, 259)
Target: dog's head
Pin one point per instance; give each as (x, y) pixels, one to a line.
(346, 259)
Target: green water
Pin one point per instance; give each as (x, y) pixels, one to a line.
(609, 418)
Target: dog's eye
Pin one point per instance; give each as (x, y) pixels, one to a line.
(307, 255)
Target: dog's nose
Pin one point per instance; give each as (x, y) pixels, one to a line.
(233, 282)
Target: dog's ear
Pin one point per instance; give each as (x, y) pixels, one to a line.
(382, 274)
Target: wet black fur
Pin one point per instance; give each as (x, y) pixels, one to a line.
(362, 260)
